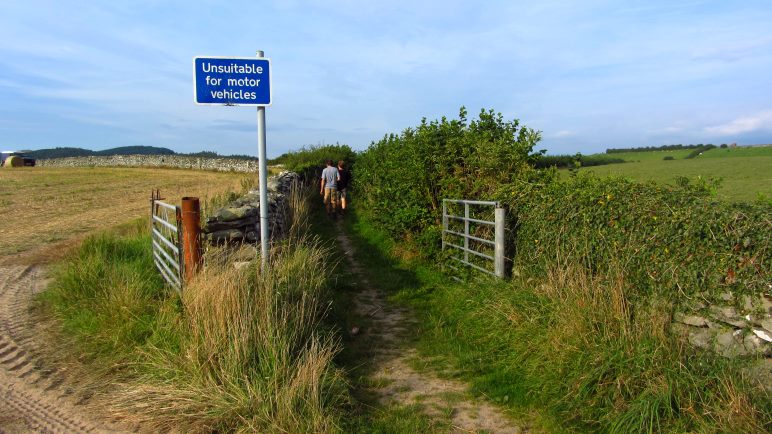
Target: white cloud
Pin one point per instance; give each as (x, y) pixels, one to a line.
(745, 124)
(563, 134)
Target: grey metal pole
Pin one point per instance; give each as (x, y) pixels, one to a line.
(263, 178)
(466, 232)
(444, 221)
(499, 250)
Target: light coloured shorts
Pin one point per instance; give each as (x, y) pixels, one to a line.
(330, 195)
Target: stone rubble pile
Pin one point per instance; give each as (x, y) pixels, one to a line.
(239, 221)
(736, 326)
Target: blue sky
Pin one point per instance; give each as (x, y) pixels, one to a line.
(589, 74)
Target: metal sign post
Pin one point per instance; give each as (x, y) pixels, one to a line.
(263, 175)
(236, 81)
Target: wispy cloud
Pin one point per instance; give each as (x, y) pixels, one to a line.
(562, 134)
(589, 74)
(745, 124)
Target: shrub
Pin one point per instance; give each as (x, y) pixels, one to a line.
(402, 179)
(669, 158)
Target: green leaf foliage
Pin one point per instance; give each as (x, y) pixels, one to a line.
(310, 160)
(402, 179)
(667, 239)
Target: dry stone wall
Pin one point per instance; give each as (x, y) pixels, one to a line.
(239, 221)
(733, 326)
(171, 161)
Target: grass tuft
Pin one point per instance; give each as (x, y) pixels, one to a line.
(240, 350)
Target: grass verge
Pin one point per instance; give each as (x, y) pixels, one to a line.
(240, 350)
(568, 346)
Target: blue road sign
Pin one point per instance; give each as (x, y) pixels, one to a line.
(232, 81)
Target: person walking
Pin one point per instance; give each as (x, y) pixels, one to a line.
(328, 188)
(344, 177)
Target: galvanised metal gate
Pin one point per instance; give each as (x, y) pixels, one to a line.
(480, 242)
(165, 226)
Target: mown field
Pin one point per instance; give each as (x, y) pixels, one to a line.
(745, 172)
(44, 210)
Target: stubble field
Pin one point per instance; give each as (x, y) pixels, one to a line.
(43, 211)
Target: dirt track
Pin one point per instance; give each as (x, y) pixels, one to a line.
(34, 396)
(404, 385)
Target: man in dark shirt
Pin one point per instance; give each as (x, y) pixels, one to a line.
(344, 178)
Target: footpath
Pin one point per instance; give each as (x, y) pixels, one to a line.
(393, 380)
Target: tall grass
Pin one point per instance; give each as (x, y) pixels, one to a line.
(575, 345)
(250, 354)
(241, 350)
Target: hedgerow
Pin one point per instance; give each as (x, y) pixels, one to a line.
(668, 239)
(308, 160)
(676, 238)
(574, 161)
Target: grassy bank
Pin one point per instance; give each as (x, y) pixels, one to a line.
(240, 350)
(568, 344)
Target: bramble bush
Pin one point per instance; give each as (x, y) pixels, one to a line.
(402, 179)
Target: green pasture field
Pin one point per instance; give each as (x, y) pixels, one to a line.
(741, 151)
(678, 154)
(745, 172)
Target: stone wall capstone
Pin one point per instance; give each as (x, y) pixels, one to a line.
(171, 161)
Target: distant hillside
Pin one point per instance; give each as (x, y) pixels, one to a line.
(59, 153)
(80, 152)
(42, 154)
(136, 150)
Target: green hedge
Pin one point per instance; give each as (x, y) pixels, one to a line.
(310, 160)
(402, 179)
(665, 238)
(574, 161)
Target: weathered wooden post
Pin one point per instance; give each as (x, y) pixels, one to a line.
(191, 235)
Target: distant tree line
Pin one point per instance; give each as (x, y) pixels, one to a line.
(699, 150)
(660, 148)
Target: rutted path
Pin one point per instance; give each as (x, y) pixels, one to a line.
(402, 384)
(34, 397)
